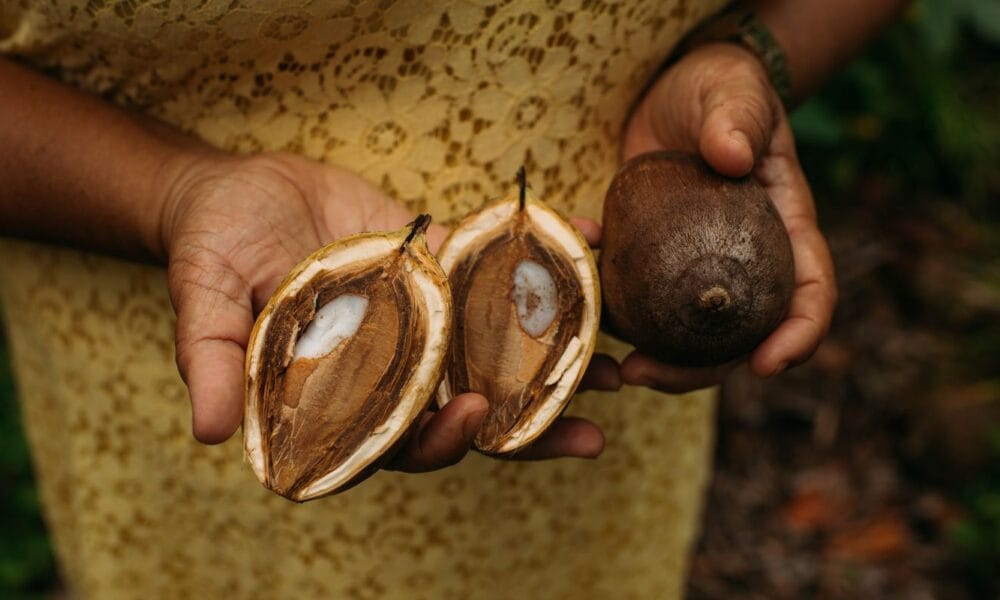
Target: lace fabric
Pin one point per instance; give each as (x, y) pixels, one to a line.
(438, 103)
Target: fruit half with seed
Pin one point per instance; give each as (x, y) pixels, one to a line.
(343, 359)
(527, 304)
(696, 268)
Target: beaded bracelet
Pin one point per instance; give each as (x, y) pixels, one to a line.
(743, 28)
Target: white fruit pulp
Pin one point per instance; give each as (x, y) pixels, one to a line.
(535, 296)
(569, 367)
(335, 321)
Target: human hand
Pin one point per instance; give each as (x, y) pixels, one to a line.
(717, 100)
(233, 227)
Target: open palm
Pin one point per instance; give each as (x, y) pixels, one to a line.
(233, 228)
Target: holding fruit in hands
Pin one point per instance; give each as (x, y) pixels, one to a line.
(721, 104)
(303, 125)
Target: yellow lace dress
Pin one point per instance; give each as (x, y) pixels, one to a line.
(439, 103)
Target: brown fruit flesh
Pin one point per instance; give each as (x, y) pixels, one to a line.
(696, 268)
(346, 355)
(492, 353)
(326, 407)
(526, 307)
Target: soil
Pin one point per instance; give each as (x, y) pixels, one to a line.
(846, 477)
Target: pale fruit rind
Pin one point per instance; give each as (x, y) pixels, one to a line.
(568, 370)
(416, 392)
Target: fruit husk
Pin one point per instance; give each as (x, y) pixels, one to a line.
(418, 389)
(552, 403)
(696, 268)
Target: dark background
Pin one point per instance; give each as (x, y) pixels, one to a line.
(872, 471)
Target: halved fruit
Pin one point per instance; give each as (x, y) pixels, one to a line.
(526, 298)
(342, 360)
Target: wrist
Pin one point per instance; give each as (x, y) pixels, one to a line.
(78, 171)
(180, 167)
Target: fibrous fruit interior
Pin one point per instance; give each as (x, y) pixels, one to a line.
(344, 359)
(524, 297)
(329, 403)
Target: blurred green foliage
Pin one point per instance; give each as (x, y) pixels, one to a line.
(920, 112)
(913, 128)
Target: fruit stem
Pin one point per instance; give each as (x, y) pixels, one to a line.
(522, 182)
(715, 299)
(420, 225)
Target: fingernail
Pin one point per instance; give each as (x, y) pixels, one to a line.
(740, 137)
(779, 370)
(743, 140)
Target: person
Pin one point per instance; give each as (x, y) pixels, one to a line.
(227, 142)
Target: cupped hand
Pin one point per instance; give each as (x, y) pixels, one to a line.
(717, 101)
(233, 227)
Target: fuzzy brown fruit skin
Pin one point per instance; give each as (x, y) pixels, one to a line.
(696, 268)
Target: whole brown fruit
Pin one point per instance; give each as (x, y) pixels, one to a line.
(696, 268)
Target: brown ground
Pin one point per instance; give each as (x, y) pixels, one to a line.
(847, 477)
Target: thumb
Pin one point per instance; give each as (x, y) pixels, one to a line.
(740, 114)
(443, 438)
(214, 319)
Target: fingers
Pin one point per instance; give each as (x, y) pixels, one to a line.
(567, 437)
(443, 438)
(602, 374)
(436, 235)
(213, 326)
(810, 310)
(639, 369)
(716, 100)
(739, 115)
(719, 99)
(590, 229)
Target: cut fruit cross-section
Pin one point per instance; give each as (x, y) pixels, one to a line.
(342, 360)
(526, 300)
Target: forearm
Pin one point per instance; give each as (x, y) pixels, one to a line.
(820, 36)
(76, 170)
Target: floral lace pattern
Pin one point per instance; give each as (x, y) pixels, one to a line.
(438, 103)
